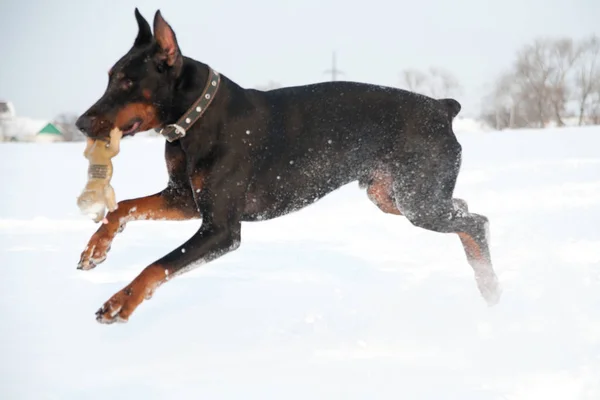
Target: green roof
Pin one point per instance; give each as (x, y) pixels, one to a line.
(50, 130)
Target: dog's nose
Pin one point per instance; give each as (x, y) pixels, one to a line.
(85, 124)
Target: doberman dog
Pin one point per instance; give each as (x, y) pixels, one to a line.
(235, 154)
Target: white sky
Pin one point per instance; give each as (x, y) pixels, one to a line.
(55, 54)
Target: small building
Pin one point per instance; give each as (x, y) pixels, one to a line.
(49, 134)
(7, 112)
(17, 129)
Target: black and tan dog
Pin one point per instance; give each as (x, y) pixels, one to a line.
(236, 154)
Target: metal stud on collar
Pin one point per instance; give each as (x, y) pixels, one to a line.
(180, 131)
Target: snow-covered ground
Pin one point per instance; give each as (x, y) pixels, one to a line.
(337, 301)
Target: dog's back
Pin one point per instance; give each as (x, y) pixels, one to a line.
(345, 113)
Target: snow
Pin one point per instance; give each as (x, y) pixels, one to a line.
(468, 125)
(335, 301)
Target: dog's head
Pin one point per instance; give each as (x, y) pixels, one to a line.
(140, 85)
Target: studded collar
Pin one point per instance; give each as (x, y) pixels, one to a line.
(178, 130)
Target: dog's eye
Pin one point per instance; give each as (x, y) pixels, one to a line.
(160, 67)
(126, 84)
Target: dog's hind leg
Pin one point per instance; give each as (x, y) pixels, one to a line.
(422, 191)
(379, 191)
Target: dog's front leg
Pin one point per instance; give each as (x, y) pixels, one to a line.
(171, 204)
(206, 245)
(219, 234)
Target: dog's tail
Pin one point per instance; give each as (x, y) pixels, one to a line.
(452, 106)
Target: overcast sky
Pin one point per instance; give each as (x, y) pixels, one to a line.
(56, 54)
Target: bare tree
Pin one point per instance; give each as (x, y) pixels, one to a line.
(594, 105)
(443, 83)
(498, 104)
(506, 106)
(545, 78)
(563, 56)
(414, 80)
(532, 74)
(587, 78)
(435, 82)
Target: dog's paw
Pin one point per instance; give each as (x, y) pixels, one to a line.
(120, 307)
(490, 288)
(95, 252)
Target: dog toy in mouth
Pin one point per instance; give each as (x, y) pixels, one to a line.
(98, 195)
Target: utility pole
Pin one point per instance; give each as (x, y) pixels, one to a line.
(334, 71)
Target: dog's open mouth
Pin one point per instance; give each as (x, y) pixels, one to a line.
(132, 127)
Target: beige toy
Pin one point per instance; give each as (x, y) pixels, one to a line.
(98, 194)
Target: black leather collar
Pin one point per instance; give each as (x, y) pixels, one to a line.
(178, 130)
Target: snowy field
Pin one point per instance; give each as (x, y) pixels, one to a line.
(337, 301)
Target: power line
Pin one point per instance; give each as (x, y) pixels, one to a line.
(334, 71)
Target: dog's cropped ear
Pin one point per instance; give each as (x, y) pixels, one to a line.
(144, 35)
(165, 37)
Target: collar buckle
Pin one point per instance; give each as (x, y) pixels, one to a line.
(173, 132)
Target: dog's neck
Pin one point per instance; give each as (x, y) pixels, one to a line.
(190, 86)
